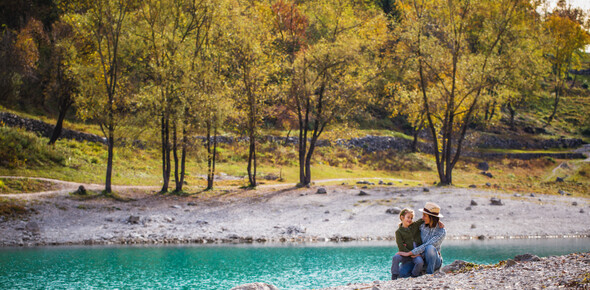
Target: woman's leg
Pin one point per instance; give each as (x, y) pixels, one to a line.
(395, 266)
(432, 258)
(418, 264)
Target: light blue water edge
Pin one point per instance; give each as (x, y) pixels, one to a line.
(287, 266)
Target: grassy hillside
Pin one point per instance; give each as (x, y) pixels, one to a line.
(86, 163)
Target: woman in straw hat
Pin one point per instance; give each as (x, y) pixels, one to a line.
(432, 238)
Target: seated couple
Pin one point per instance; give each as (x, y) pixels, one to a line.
(418, 243)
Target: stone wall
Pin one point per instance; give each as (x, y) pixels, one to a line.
(367, 143)
(45, 130)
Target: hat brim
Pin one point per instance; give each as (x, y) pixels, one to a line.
(439, 215)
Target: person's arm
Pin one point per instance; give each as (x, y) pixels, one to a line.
(416, 225)
(435, 240)
(401, 244)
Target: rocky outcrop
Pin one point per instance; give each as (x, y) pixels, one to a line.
(493, 141)
(45, 129)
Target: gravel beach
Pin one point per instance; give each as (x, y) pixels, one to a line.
(289, 214)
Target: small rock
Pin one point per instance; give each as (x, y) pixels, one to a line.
(321, 190)
(488, 174)
(488, 184)
(390, 183)
(362, 193)
(510, 263)
(201, 222)
(496, 201)
(191, 204)
(453, 267)
(473, 186)
(527, 258)
(473, 226)
(380, 182)
(133, 219)
(255, 286)
(473, 203)
(559, 179)
(32, 227)
(364, 187)
(582, 210)
(362, 182)
(574, 203)
(426, 189)
(327, 212)
(393, 210)
(176, 206)
(81, 190)
(532, 195)
(561, 192)
(371, 183)
(517, 195)
(109, 219)
(481, 237)
(483, 166)
(468, 208)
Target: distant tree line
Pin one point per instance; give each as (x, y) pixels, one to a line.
(186, 67)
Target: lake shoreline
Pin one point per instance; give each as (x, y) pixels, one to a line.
(566, 271)
(289, 215)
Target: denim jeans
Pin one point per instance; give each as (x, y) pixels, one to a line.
(431, 257)
(413, 265)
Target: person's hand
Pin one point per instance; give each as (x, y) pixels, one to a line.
(441, 225)
(414, 256)
(405, 254)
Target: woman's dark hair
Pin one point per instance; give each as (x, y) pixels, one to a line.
(433, 221)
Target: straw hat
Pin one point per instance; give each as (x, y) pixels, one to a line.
(432, 209)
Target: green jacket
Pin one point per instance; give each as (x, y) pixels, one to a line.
(406, 237)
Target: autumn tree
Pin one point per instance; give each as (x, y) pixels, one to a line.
(327, 65)
(170, 30)
(62, 85)
(457, 62)
(566, 42)
(101, 31)
(251, 62)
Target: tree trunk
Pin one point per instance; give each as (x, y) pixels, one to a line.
(65, 104)
(111, 145)
(210, 185)
(165, 154)
(180, 184)
(512, 115)
(175, 156)
(252, 161)
(210, 171)
(555, 104)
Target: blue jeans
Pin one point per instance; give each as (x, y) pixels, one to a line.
(415, 266)
(432, 258)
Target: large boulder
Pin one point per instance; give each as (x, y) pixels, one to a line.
(255, 286)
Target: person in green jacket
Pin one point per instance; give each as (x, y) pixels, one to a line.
(407, 237)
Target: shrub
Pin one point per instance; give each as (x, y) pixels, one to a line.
(24, 149)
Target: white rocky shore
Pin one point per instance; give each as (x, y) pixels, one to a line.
(343, 213)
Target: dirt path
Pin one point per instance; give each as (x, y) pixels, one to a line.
(65, 187)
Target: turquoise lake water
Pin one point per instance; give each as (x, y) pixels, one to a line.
(223, 266)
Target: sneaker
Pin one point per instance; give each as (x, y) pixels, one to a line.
(394, 277)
